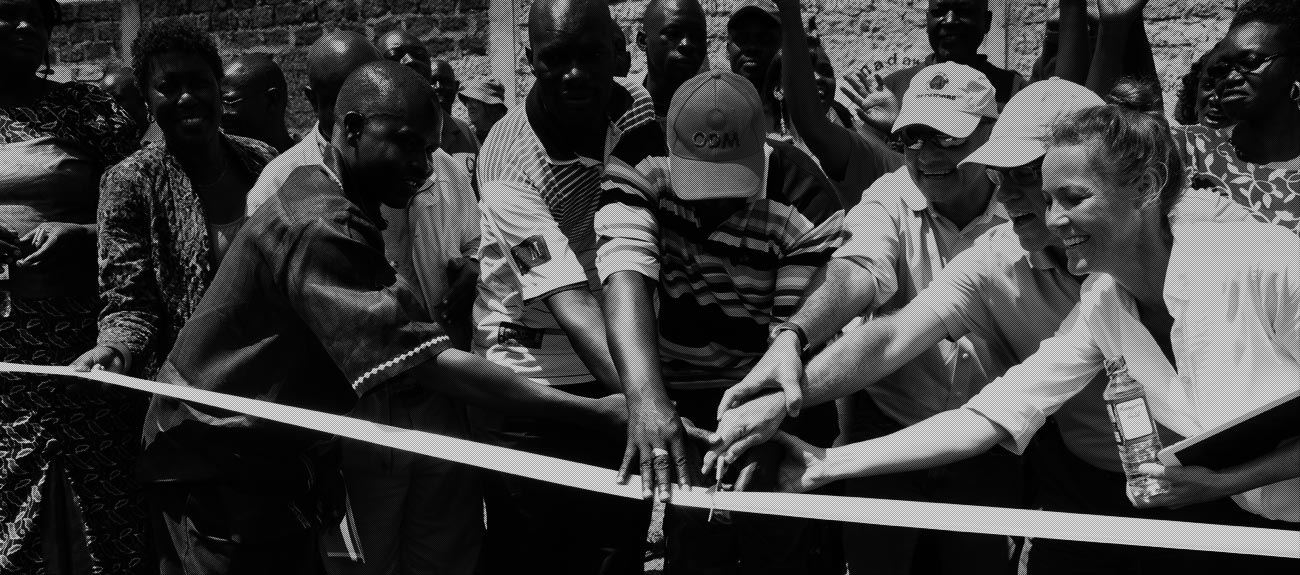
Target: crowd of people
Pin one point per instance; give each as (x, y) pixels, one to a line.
(707, 275)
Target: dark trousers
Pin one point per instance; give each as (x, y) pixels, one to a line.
(193, 535)
(744, 542)
(539, 527)
(994, 478)
(1069, 484)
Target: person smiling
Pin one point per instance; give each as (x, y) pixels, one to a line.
(307, 311)
(169, 212)
(1012, 288)
(1207, 316)
(908, 226)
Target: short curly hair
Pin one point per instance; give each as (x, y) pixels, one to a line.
(1284, 13)
(172, 36)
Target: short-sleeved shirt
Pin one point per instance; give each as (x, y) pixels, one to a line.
(538, 204)
(1013, 300)
(1234, 293)
(721, 288)
(904, 242)
(309, 151)
(1270, 190)
(304, 311)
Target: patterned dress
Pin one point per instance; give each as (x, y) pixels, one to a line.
(68, 500)
(1271, 191)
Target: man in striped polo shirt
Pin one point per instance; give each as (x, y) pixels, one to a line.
(537, 312)
(725, 232)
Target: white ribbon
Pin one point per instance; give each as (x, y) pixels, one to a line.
(941, 516)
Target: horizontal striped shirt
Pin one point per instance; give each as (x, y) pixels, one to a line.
(720, 289)
(537, 235)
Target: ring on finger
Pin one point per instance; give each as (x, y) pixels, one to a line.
(658, 452)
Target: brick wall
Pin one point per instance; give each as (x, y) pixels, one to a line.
(88, 40)
(889, 34)
(453, 29)
(881, 34)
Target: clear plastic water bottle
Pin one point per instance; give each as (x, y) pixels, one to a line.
(1135, 430)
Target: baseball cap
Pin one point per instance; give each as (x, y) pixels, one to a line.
(1017, 138)
(767, 7)
(948, 97)
(484, 89)
(715, 138)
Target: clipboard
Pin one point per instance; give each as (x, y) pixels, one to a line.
(1241, 439)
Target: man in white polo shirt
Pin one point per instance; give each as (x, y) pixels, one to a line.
(907, 228)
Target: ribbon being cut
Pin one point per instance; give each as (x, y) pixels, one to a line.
(948, 517)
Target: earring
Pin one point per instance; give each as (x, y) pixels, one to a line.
(1295, 93)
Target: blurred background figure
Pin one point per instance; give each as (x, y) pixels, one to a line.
(675, 40)
(403, 48)
(484, 99)
(120, 84)
(458, 137)
(253, 100)
(68, 499)
(622, 58)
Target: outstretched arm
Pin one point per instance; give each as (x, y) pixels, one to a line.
(826, 140)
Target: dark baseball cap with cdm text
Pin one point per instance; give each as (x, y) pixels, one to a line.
(716, 138)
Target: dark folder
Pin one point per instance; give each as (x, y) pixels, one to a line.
(1241, 439)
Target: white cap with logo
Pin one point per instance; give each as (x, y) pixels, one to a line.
(1017, 138)
(716, 138)
(949, 97)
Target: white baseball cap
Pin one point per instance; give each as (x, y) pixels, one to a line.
(715, 138)
(1017, 138)
(949, 97)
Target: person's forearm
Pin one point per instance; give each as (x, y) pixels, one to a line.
(942, 439)
(1074, 51)
(579, 315)
(634, 336)
(1113, 46)
(827, 141)
(871, 352)
(1281, 464)
(840, 291)
(481, 383)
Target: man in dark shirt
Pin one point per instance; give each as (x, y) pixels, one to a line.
(254, 96)
(956, 29)
(306, 311)
(675, 40)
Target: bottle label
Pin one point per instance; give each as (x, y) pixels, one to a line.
(1133, 420)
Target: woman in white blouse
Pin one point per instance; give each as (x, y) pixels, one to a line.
(1206, 315)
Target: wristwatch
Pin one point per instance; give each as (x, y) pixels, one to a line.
(788, 326)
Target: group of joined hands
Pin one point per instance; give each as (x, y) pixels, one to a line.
(746, 452)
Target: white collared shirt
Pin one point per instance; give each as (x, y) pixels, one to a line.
(309, 151)
(904, 242)
(1234, 293)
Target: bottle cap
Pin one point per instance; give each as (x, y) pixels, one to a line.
(1115, 365)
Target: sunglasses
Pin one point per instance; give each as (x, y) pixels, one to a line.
(1030, 174)
(914, 139)
(1251, 63)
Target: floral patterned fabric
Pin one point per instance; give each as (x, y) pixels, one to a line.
(66, 456)
(1270, 191)
(155, 257)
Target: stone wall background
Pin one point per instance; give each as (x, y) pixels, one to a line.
(881, 34)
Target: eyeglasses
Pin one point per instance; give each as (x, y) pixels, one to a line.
(1030, 174)
(914, 139)
(1251, 63)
